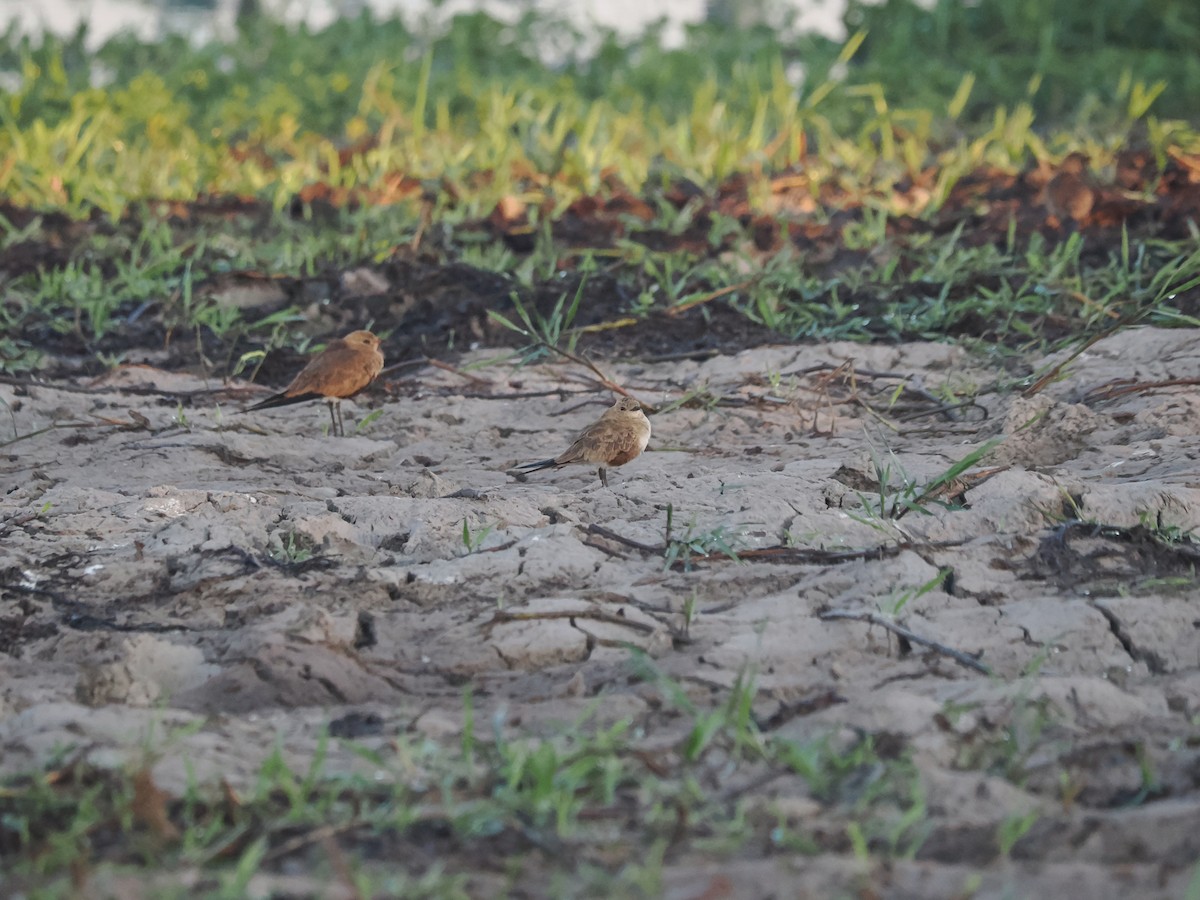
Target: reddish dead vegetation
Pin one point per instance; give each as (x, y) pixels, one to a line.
(1047, 199)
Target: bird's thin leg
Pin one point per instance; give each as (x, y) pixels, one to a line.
(337, 404)
(603, 476)
(333, 424)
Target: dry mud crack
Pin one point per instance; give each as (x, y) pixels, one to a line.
(250, 576)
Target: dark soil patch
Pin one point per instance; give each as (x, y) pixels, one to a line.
(1105, 559)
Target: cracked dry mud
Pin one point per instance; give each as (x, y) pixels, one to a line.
(142, 589)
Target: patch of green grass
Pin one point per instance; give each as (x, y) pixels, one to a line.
(693, 542)
(1012, 829)
(290, 548)
(905, 597)
(1166, 532)
(548, 333)
(160, 278)
(899, 493)
(1061, 56)
(17, 356)
(1008, 738)
(590, 799)
(931, 287)
(473, 539)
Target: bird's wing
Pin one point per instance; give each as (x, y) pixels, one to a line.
(604, 442)
(339, 371)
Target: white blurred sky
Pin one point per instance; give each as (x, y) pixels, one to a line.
(107, 17)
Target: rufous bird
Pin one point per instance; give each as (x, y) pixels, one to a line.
(341, 370)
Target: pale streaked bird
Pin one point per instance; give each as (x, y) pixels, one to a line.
(618, 436)
(341, 370)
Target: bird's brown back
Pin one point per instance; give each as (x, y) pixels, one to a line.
(342, 369)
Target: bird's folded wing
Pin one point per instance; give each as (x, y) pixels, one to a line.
(342, 371)
(604, 443)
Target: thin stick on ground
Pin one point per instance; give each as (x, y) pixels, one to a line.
(705, 298)
(963, 659)
(103, 422)
(782, 554)
(502, 616)
(1053, 373)
(406, 364)
(595, 370)
(455, 370)
(1120, 387)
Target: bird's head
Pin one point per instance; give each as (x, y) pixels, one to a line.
(362, 339)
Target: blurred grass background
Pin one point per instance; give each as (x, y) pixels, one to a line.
(277, 107)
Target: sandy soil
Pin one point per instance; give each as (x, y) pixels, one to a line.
(138, 590)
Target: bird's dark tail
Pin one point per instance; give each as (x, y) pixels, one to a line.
(537, 466)
(279, 400)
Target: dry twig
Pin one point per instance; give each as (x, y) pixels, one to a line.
(963, 659)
